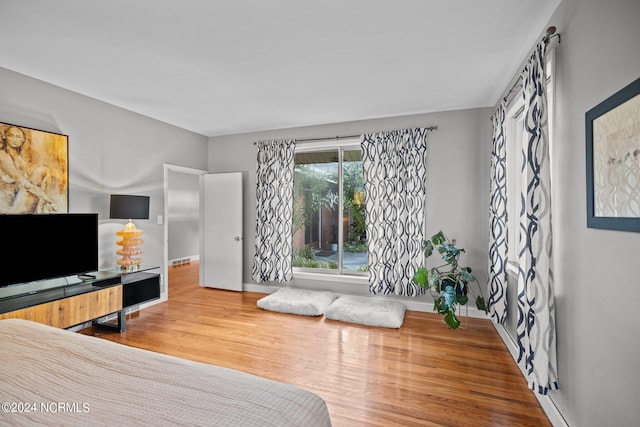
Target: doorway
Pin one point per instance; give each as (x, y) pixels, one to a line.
(181, 224)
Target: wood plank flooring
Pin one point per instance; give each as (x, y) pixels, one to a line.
(422, 374)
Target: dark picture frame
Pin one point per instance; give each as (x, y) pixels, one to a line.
(34, 171)
(613, 161)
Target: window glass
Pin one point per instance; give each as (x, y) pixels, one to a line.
(328, 212)
(515, 135)
(354, 256)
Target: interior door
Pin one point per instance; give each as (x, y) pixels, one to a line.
(221, 236)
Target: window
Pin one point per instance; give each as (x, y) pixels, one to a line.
(514, 129)
(515, 136)
(329, 233)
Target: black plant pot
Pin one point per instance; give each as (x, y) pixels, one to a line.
(458, 288)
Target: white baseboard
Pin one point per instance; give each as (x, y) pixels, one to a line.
(411, 304)
(554, 415)
(185, 260)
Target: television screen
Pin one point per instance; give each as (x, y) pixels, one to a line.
(46, 246)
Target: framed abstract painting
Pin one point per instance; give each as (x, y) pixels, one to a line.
(613, 161)
(34, 172)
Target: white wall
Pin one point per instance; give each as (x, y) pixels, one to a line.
(183, 215)
(597, 285)
(111, 150)
(457, 179)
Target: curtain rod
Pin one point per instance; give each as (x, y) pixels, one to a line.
(517, 85)
(550, 33)
(336, 138)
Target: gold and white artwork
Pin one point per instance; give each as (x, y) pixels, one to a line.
(616, 161)
(33, 171)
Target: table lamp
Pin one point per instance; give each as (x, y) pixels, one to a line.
(122, 206)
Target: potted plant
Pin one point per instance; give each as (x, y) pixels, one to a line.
(449, 283)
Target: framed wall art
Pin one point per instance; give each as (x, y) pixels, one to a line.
(613, 161)
(34, 173)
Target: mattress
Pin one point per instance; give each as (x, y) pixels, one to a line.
(51, 376)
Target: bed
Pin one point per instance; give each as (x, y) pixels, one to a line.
(51, 376)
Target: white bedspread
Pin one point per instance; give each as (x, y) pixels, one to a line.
(50, 376)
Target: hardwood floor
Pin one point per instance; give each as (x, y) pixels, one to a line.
(422, 374)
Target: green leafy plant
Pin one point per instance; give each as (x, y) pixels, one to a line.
(355, 247)
(306, 252)
(313, 191)
(306, 258)
(449, 283)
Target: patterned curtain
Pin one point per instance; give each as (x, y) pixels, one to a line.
(274, 211)
(498, 243)
(536, 312)
(394, 172)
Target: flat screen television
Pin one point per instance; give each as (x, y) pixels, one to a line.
(46, 246)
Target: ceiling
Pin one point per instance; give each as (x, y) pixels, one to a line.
(224, 67)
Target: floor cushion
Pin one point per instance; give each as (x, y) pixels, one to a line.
(297, 301)
(367, 311)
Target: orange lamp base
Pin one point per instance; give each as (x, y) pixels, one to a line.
(130, 242)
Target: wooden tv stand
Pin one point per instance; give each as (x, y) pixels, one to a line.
(68, 302)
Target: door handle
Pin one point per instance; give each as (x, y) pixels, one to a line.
(237, 238)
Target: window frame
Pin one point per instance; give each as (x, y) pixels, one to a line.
(339, 275)
(514, 159)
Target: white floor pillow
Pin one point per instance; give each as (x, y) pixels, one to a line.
(367, 311)
(297, 301)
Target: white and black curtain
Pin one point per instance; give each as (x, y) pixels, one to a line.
(536, 329)
(536, 326)
(274, 211)
(394, 170)
(498, 242)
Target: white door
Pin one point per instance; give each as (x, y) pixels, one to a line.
(221, 225)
